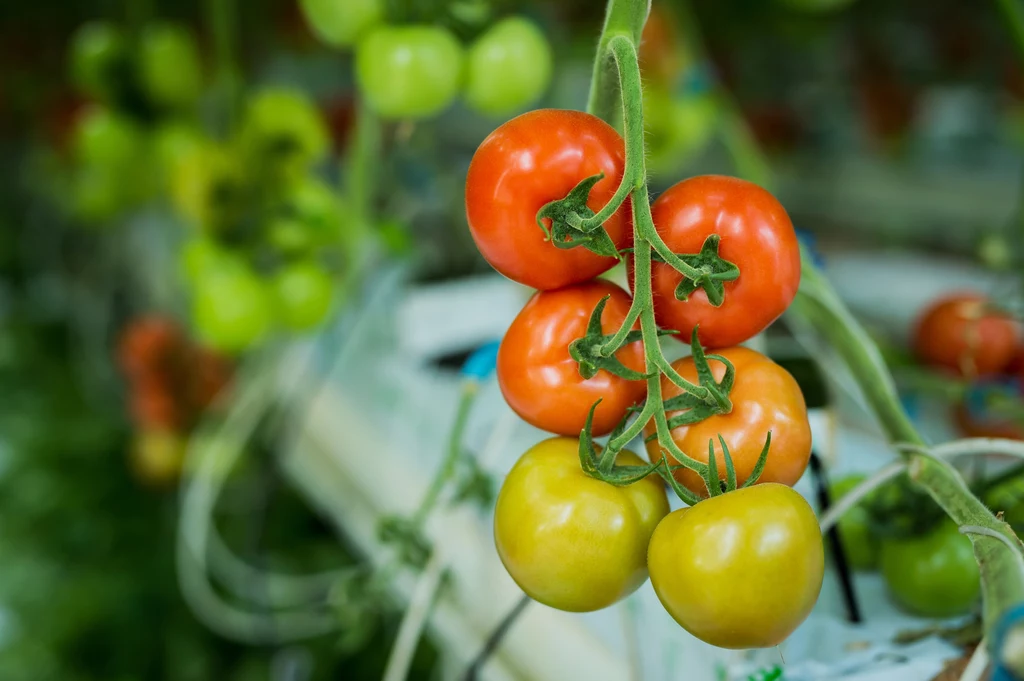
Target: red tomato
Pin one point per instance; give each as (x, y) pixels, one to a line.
(527, 162)
(542, 383)
(958, 334)
(145, 343)
(756, 235)
(765, 397)
(153, 406)
(211, 374)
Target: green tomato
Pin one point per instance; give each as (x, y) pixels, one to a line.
(231, 309)
(97, 194)
(169, 67)
(173, 143)
(677, 127)
(109, 140)
(409, 71)
(508, 67)
(932, 575)
(339, 23)
(304, 294)
(282, 132)
(96, 50)
(859, 545)
(1008, 498)
(201, 257)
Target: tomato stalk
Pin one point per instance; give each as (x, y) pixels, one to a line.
(617, 86)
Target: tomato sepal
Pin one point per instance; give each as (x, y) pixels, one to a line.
(568, 216)
(589, 354)
(762, 459)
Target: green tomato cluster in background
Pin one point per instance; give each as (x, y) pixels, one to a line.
(412, 71)
(160, 65)
(144, 90)
(270, 234)
(930, 572)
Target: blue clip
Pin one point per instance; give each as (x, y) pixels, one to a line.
(811, 244)
(480, 365)
(1011, 618)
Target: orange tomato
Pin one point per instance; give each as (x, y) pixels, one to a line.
(765, 397)
(542, 383)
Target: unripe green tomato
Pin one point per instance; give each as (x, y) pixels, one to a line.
(282, 132)
(200, 257)
(106, 139)
(932, 575)
(677, 127)
(97, 194)
(508, 67)
(207, 186)
(96, 49)
(169, 67)
(339, 23)
(173, 142)
(304, 293)
(859, 545)
(409, 71)
(231, 309)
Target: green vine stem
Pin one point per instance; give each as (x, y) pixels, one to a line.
(617, 94)
(1002, 578)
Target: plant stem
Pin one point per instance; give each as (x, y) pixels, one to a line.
(447, 470)
(361, 169)
(623, 18)
(1001, 574)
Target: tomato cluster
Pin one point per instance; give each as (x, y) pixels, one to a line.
(270, 234)
(143, 87)
(416, 69)
(171, 383)
(578, 541)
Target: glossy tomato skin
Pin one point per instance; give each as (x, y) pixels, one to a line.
(568, 540)
(764, 397)
(542, 383)
(527, 162)
(756, 235)
(934, 575)
(957, 334)
(740, 570)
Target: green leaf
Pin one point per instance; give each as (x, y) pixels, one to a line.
(711, 481)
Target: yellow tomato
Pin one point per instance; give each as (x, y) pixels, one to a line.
(568, 540)
(157, 457)
(740, 570)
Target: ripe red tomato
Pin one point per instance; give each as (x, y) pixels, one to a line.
(957, 333)
(527, 162)
(144, 343)
(542, 383)
(764, 397)
(757, 236)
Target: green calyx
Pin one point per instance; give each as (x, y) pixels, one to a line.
(716, 485)
(705, 270)
(592, 355)
(571, 223)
